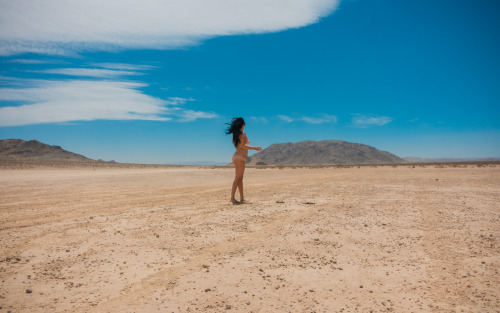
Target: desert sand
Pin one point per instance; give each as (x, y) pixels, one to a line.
(359, 239)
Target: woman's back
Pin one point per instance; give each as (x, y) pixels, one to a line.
(243, 141)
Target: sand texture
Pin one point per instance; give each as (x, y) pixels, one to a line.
(368, 239)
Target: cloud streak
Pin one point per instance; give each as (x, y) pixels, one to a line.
(362, 120)
(321, 119)
(85, 100)
(61, 27)
(90, 72)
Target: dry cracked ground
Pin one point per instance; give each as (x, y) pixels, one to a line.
(359, 239)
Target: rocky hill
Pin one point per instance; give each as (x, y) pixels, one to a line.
(322, 153)
(17, 149)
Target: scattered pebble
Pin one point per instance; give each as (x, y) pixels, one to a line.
(228, 307)
(29, 291)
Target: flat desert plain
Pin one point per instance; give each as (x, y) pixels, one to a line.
(367, 239)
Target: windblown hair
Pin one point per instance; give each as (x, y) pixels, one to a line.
(235, 129)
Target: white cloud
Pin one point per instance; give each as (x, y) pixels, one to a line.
(190, 115)
(285, 118)
(362, 120)
(320, 119)
(89, 72)
(178, 100)
(29, 61)
(81, 100)
(67, 27)
(324, 118)
(125, 67)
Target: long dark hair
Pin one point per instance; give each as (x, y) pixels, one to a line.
(235, 129)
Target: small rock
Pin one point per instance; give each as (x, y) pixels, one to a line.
(277, 286)
(360, 286)
(261, 270)
(316, 239)
(67, 250)
(207, 290)
(248, 302)
(228, 307)
(384, 303)
(29, 291)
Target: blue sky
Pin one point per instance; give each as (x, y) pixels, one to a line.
(149, 82)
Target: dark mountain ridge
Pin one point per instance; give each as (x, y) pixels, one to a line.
(34, 150)
(328, 152)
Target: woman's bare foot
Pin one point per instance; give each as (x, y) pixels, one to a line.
(234, 201)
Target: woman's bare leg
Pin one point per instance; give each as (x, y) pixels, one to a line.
(239, 166)
(240, 181)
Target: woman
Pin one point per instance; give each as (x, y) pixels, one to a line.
(241, 144)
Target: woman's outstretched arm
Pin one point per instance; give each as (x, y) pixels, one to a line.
(252, 148)
(247, 146)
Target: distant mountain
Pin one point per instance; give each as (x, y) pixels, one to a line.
(322, 153)
(17, 149)
(449, 160)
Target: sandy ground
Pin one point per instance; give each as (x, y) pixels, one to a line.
(369, 239)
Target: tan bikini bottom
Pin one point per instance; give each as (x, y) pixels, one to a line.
(237, 157)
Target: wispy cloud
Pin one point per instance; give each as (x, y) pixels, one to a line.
(85, 100)
(362, 120)
(90, 72)
(178, 101)
(320, 119)
(30, 61)
(286, 118)
(190, 115)
(125, 67)
(324, 118)
(67, 27)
